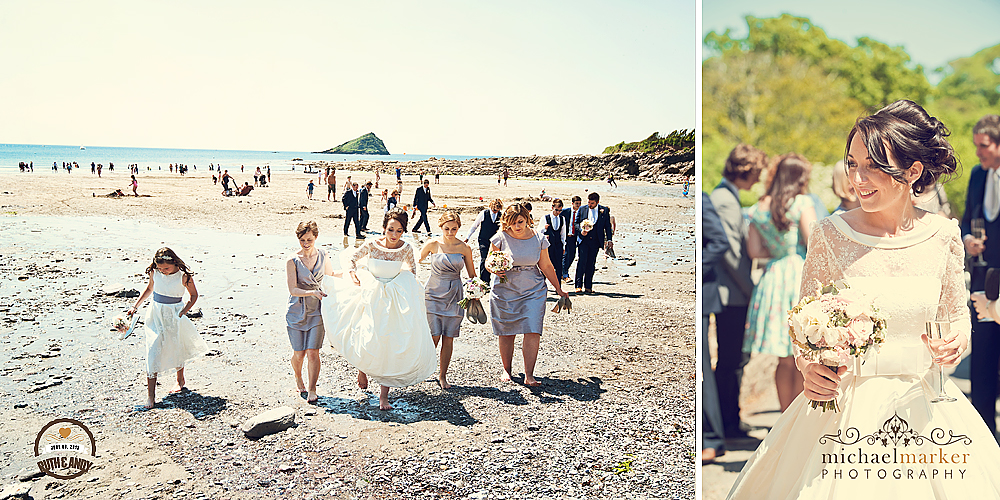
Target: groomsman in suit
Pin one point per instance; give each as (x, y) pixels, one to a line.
(363, 205)
(714, 245)
(983, 202)
(488, 223)
(572, 236)
(591, 242)
(420, 200)
(351, 200)
(742, 171)
(555, 231)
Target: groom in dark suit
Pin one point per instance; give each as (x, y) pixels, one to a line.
(420, 200)
(569, 253)
(351, 198)
(983, 202)
(714, 245)
(591, 242)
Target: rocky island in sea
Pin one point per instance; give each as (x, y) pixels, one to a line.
(368, 144)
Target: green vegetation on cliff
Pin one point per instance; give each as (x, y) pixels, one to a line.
(677, 140)
(367, 144)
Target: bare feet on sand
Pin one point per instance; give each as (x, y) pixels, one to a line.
(362, 380)
(383, 399)
(180, 382)
(178, 389)
(150, 403)
(312, 397)
(300, 385)
(505, 376)
(531, 382)
(443, 382)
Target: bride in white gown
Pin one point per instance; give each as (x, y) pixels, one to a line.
(888, 440)
(381, 328)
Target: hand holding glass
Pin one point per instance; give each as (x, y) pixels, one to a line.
(938, 334)
(979, 232)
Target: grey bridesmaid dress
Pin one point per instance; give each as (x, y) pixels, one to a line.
(442, 293)
(518, 306)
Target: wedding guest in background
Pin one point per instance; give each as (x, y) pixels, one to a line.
(309, 189)
(331, 185)
(572, 237)
(517, 306)
(350, 199)
(843, 189)
(983, 205)
(555, 232)
(780, 223)
(488, 223)
(741, 172)
(421, 199)
(934, 200)
(305, 270)
(363, 205)
(392, 201)
(592, 241)
(443, 290)
(714, 245)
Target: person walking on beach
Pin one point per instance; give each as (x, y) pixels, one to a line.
(351, 198)
(437, 175)
(443, 290)
(171, 338)
(506, 174)
(517, 296)
(555, 231)
(305, 270)
(225, 182)
(572, 237)
(377, 176)
(135, 187)
(99, 167)
(309, 189)
(592, 240)
(268, 174)
(363, 196)
(488, 223)
(399, 175)
(331, 184)
(420, 201)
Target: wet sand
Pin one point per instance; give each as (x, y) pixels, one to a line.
(614, 418)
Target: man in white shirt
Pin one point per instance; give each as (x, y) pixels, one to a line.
(488, 223)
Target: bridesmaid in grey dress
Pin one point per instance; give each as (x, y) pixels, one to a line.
(517, 307)
(305, 270)
(448, 255)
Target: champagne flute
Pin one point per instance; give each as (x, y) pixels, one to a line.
(978, 232)
(938, 331)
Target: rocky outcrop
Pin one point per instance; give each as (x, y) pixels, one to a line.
(368, 144)
(667, 168)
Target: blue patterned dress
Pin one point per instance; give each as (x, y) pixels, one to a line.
(778, 289)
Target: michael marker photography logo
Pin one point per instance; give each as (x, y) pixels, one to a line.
(65, 448)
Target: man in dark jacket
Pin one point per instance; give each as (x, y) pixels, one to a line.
(420, 200)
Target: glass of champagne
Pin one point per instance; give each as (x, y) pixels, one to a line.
(938, 332)
(979, 232)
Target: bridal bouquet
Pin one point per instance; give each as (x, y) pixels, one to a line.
(586, 225)
(475, 289)
(498, 261)
(120, 323)
(833, 325)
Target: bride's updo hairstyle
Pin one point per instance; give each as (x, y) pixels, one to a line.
(912, 135)
(788, 178)
(395, 214)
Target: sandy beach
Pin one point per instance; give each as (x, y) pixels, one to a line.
(615, 417)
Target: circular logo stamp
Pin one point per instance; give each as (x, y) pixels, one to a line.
(65, 448)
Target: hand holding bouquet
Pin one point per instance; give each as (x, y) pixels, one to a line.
(120, 323)
(834, 325)
(586, 226)
(499, 262)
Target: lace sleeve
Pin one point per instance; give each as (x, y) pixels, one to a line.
(820, 267)
(953, 291)
(408, 258)
(359, 254)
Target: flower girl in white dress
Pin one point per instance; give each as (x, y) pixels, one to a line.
(381, 329)
(889, 440)
(171, 339)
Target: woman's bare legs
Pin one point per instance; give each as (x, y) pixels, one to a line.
(506, 355)
(788, 381)
(297, 359)
(529, 351)
(313, 356)
(150, 392)
(446, 349)
(180, 382)
(383, 399)
(362, 380)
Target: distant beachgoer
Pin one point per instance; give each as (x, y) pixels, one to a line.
(268, 174)
(111, 167)
(499, 178)
(392, 201)
(544, 197)
(256, 177)
(349, 184)
(215, 180)
(506, 174)
(93, 168)
(421, 175)
(687, 186)
(377, 176)
(611, 180)
(135, 186)
(399, 174)
(99, 167)
(310, 188)
(245, 190)
(171, 339)
(437, 175)
(331, 184)
(225, 182)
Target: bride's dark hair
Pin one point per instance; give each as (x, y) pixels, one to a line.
(912, 135)
(789, 177)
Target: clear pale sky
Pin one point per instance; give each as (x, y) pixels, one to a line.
(431, 77)
(932, 32)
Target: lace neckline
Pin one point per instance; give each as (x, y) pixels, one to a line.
(912, 237)
(380, 246)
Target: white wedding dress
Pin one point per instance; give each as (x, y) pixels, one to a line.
(381, 327)
(888, 441)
